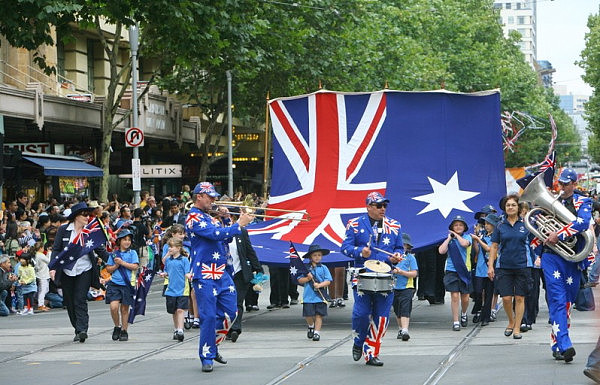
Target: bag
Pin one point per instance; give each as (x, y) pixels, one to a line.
(585, 296)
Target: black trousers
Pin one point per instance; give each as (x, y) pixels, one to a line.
(251, 296)
(431, 275)
(280, 285)
(75, 291)
(241, 287)
(532, 300)
(485, 288)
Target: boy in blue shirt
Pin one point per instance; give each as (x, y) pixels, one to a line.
(405, 272)
(178, 288)
(314, 306)
(123, 265)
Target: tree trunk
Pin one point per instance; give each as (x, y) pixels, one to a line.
(105, 146)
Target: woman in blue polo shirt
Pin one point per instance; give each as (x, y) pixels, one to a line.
(510, 270)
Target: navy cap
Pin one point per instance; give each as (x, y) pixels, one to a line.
(124, 233)
(568, 175)
(375, 197)
(460, 219)
(487, 209)
(406, 239)
(206, 188)
(492, 219)
(77, 209)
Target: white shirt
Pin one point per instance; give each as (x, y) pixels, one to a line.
(83, 264)
(237, 265)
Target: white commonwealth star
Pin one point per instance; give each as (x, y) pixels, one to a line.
(555, 328)
(569, 280)
(217, 232)
(579, 220)
(386, 241)
(556, 274)
(360, 293)
(89, 244)
(202, 224)
(446, 197)
(199, 286)
(215, 292)
(293, 270)
(231, 288)
(216, 255)
(205, 350)
(148, 277)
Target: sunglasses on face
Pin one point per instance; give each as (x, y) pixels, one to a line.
(379, 205)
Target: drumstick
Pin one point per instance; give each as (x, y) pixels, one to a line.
(383, 251)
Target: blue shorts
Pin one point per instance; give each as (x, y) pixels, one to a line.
(174, 303)
(312, 309)
(119, 293)
(403, 302)
(453, 283)
(511, 282)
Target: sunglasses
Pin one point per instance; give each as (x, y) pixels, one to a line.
(379, 205)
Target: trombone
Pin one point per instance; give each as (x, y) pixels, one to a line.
(251, 209)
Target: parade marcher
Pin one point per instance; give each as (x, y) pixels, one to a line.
(404, 289)
(482, 285)
(457, 279)
(215, 291)
(562, 277)
(370, 315)
(314, 306)
(122, 264)
(76, 279)
(478, 230)
(508, 263)
(177, 267)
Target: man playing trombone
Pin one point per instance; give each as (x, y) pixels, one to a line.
(372, 236)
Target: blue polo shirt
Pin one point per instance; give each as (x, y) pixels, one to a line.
(321, 274)
(513, 245)
(129, 256)
(464, 253)
(407, 264)
(481, 269)
(177, 268)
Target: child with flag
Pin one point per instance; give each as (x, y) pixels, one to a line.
(457, 279)
(177, 269)
(317, 276)
(122, 264)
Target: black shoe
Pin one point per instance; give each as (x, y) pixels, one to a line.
(375, 362)
(464, 321)
(207, 367)
(569, 354)
(294, 302)
(456, 327)
(273, 307)
(333, 304)
(340, 302)
(82, 337)
(248, 308)
(310, 333)
(116, 333)
(405, 336)
(356, 352)
(517, 336)
(523, 328)
(399, 336)
(485, 323)
(255, 308)
(179, 335)
(529, 327)
(592, 373)
(234, 335)
(219, 358)
(285, 306)
(316, 337)
(124, 336)
(76, 338)
(476, 318)
(557, 356)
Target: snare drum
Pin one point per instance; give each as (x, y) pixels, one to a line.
(376, 282)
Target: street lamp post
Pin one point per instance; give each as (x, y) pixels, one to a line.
(229, 138)
(133, 44)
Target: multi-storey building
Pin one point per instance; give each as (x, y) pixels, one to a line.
(521, 16)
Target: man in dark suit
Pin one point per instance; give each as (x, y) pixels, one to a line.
(244, 265)
(174, 215)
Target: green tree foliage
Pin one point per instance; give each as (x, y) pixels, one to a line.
(590, 62)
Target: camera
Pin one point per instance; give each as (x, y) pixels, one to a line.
(451, 235)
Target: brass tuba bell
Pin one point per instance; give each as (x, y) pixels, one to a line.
(548, 215)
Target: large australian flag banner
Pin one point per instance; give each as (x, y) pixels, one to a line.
(433, 154)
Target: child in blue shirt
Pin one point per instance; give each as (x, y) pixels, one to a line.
(315, 282)
(177, 269)
(405, 272)
(122, 264)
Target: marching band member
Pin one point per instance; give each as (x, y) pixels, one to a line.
(562, 276)
(216, 296)
(370, 315)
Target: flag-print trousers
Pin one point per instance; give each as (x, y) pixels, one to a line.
(217, 308)
(370, 307)
(562, 284)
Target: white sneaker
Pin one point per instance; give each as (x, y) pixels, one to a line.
(22, 312)
(30, 311)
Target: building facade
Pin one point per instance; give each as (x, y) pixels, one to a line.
(521, 16)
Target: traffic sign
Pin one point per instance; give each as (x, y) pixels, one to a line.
(134, 137)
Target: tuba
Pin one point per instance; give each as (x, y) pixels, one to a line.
(548, 215)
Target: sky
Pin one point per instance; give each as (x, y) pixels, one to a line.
(561, 29)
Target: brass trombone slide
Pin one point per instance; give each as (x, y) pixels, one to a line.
(241, 204)
(263, 215)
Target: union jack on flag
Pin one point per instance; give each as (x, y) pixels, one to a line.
(192, 218)
(212, 271)
(390, 226)
(332, 150)
(89, 238)
(567, 231)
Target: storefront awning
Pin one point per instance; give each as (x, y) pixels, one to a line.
(61, 167)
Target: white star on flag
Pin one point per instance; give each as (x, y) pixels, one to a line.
(570, 280)
(293, 271)
(579, 220)
(89, 244)
(216, 255)
(202, 224)
(199, 286)
(217, 232)
(555, 328)
(386, 241)
(360, 293)
(446, 197)
(231, 288)
(556, 274)
(148, 277)
(192, 235)
(205, 350)
(384, 294)
(215, 292)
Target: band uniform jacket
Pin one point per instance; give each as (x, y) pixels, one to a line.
(62, 240)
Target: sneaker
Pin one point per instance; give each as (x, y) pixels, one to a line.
(174, 335)
(116, 333)
(285, 306)
(477, 318)
(310, 333)
(124, 336)
(273, 307)
(294, 302)
(179, 335)
(523, 328)
(234, 335)
(22, 312)
(399, 336)
(493, 315)
(464, 321)
(30, 311)
(405, 336)
(196, 324)
(255, 307)
(340, 302)
(316, 337)
(333, 304)
(456, 327)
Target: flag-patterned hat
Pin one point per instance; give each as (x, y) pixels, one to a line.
(375, 197)
(206, 188)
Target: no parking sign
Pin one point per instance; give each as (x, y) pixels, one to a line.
(134, 137)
